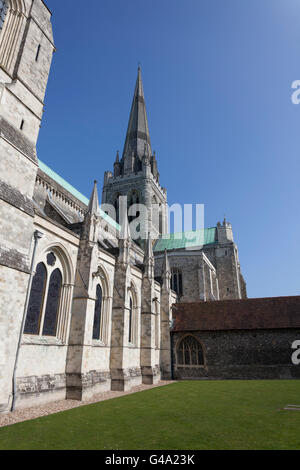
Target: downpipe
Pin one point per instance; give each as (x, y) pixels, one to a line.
(37, 236)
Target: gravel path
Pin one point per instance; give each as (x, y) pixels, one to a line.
(28, 414)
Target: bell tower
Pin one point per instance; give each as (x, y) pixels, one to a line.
(136, 173)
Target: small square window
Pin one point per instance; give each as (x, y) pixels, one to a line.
(38, 53)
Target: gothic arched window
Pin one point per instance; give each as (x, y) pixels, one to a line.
(117, 208)
(49, 299)
(52, 305)
(189, 353)
(176, 281)
(35, 305)
(133, 199)
(160, 221)
(130, 332)
(98, 313)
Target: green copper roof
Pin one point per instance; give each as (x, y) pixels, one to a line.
(186, 240)
(63, 183)
(74, 192)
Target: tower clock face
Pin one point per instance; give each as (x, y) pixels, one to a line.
(3, 10)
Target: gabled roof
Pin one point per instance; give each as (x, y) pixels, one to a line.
(58, 179)
(186, 240)
(244, 314)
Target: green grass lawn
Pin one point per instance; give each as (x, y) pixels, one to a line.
(184, 415)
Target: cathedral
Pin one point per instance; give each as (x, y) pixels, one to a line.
(86, 307)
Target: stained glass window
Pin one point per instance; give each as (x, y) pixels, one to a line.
(51, 259)
(98, 312)
(36, 301)
(52, 306)
(190, 352)
(3, 11)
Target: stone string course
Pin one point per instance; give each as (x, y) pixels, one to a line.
(16, 198)
(18, 139)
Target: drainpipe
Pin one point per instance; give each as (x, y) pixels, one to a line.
(37, 236)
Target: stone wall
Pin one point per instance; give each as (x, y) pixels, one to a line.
(199, 280)
(240, 339)
(243, 354)
(13, 284)
(42, 361)
(147, 188)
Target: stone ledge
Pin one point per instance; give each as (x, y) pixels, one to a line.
(16, 199)
(18, 139)
(13, 259)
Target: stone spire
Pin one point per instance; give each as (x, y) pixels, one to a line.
(93, 208)
(138, 130)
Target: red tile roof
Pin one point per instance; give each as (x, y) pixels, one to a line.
(248, 314)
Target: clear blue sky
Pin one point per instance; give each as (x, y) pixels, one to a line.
(217, 76)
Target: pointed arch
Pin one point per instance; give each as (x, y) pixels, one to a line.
(116, 204)
(130, 332)
(102, 277)
(177, 281)
(102, 309)
(133, 197)
(67, 264)
(52, 304)
(51, 294)
(36, 299)
(133, 290)
(133, 308)
(189, 352)
(98, 313)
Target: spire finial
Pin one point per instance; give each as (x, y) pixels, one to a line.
(149, 247)
(94, 201)
(166, 265)
(166, 272)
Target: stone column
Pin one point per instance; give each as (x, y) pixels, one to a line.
(150, 370)
(119, 377)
